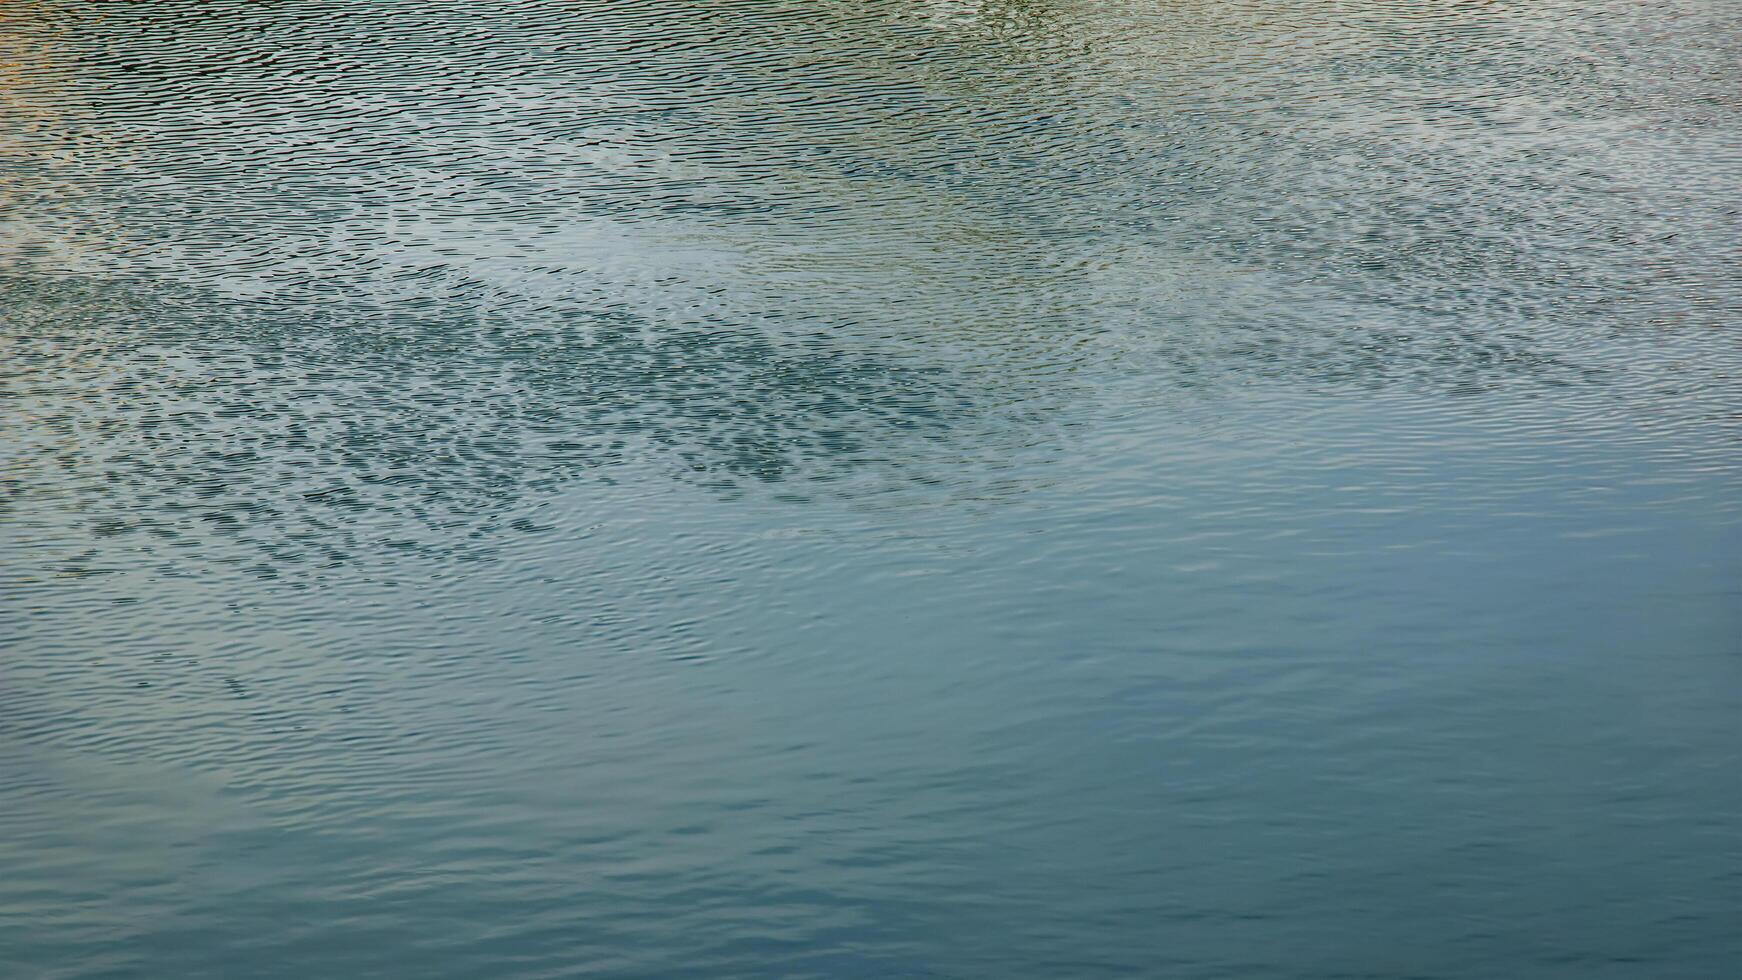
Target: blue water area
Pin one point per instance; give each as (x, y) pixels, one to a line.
(937, 488)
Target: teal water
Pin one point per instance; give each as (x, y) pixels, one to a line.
(883, 489)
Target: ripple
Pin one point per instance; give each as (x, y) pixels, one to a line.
(647, 488)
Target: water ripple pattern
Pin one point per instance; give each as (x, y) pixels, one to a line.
(934, 488)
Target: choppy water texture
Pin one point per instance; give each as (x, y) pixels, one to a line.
(933, 489)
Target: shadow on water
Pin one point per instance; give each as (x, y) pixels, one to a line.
(284, 426)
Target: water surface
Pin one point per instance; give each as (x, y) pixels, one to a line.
(936, 489)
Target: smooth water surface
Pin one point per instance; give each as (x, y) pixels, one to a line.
(873, 489)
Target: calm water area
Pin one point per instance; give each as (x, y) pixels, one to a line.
(892, 488)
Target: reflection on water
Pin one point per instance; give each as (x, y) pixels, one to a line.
(435, 255)
(1034, 419)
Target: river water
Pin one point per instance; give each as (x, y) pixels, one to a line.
(879, 489)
